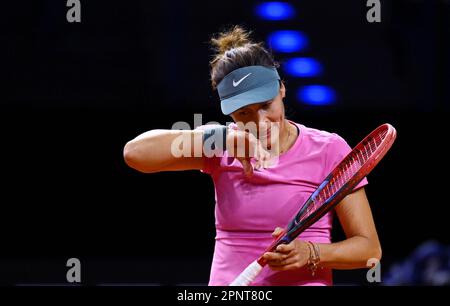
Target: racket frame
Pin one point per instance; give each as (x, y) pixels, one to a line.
(297, 226)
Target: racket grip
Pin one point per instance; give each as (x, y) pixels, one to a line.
(248, 275)
(252, 271)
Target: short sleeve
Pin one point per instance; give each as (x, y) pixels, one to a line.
(210, 164)
(337, 151)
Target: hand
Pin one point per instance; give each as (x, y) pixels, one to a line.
(287, 256)
(243, 146)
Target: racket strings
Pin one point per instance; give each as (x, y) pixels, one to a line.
(346, 171)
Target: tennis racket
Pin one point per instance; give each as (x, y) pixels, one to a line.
(338, 184)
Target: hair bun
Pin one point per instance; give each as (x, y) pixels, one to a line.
(234, 38)
(233, 50)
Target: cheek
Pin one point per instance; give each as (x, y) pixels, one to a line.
(277, 114)
(238, 119)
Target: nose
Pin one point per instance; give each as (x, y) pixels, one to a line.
(263, 121)
(262, 116)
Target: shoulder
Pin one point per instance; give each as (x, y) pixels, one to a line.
(321, 137)
(331, 146)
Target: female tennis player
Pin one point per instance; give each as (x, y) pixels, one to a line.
(262, 176)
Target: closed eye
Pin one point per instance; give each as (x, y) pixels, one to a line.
(267, 105)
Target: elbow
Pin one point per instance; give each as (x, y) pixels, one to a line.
(374, 258)
(378, 252)
(374, 254)
(129, 154)
(133, 157)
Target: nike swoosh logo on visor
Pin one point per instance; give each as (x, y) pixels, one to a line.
(235, 84)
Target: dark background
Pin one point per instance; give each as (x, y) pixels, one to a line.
(74, 94)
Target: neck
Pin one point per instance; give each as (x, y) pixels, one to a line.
(284, 141)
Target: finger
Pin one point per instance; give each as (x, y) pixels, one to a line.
(273, 257)
(277, 232)
(267, 161)
(262, 153)
(287, 260)
(266, 154)
(292, 266)
(286, 248)
(258, 165)
(253, 150)
(248, 167)
(284, 262)
(259, 147)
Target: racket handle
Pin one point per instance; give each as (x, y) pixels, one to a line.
(248, 275)
(251, 272)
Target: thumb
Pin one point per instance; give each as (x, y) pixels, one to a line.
(277, 232)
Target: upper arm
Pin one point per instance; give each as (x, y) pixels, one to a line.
(356, 217)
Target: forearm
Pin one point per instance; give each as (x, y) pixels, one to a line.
(352, 253)
(156, 149)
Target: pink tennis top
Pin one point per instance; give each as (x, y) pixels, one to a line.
(249, 209)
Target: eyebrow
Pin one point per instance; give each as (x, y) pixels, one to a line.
(244, 109)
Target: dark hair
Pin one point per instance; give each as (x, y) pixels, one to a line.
(234, 50)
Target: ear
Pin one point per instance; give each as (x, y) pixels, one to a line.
(282, 90)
